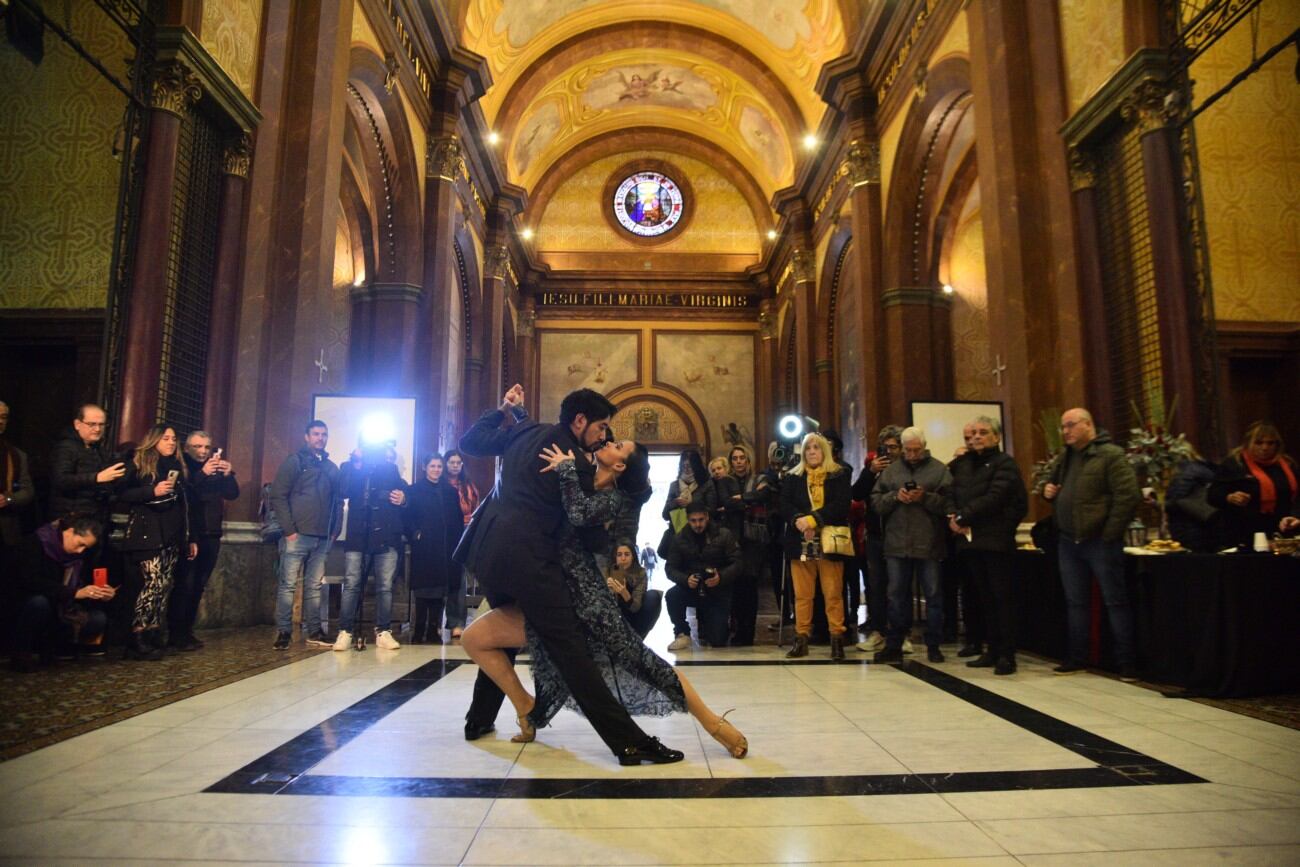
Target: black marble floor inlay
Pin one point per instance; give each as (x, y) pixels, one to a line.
(285, 770)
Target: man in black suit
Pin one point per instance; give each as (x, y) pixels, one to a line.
(511, 545)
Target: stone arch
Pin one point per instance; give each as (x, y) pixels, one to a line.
(833, 276)
(672, 406)
(391, 170)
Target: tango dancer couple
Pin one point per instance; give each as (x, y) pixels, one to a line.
(531, 544)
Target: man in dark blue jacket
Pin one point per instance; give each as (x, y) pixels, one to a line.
(376, 495)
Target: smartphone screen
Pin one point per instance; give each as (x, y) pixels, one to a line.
(101, 577)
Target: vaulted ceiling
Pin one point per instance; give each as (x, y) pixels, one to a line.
(738, 76)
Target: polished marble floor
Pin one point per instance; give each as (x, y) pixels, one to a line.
(358, 758)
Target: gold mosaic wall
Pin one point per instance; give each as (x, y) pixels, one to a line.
(58, 175)
(230, 31)
(1249, 149)
(1092, 39)
(574, 219)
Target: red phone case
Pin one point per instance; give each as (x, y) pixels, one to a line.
(101, 577)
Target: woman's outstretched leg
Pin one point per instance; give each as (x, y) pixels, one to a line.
(485, 639)
(718, 727)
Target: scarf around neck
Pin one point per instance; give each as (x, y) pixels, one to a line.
(52, 545)
(816, 487)
(1267, 491)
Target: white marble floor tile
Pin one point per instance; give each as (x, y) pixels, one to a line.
(586, 756)
(778, 755)
(1263, 856)
(728, 812)
(396, 813)
(1146, 831)
(1121, 800)
(992, 749)
(724, 845)
(397, 754)
(178, 841)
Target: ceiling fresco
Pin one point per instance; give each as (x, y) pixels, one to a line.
(753, 98)
(677, 91)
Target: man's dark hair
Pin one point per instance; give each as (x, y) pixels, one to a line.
(82, 407)
(695, 507)
(636, 478)
(315, 423)
(82, 525)
(586, 402)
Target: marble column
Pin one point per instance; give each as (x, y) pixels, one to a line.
(1092, 304)
(765, 409)
(1017, 81)
(1150, 107)
(918, 346)
(867, 220)
(224, 321)
(526, 347)
(174, 88)
(440, 204)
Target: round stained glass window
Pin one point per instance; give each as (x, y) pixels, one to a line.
(648, 204)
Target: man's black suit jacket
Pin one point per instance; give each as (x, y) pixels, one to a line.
(512, 542)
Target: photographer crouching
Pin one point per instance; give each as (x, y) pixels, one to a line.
(703, 562)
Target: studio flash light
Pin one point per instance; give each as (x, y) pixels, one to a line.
(377, 429)
(790, 427)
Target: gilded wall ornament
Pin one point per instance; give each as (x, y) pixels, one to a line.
(174, 88)
(863, 162)
(496, 262)
(1152, 105)
(804, 266)
(445, 158)
(1083, 170)
(238, 156)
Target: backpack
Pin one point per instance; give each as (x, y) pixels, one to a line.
(271, 529)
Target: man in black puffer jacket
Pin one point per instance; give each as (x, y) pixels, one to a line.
(990, 500)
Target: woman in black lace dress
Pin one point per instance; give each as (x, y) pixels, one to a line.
(644, 682)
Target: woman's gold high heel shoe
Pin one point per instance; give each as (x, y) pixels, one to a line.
(527, 732)
(733, 740)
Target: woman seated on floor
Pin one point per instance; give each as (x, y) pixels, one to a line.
(60, 609)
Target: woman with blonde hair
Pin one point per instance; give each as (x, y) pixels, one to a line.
(1256, 486)
(157, 531)
(815, 495)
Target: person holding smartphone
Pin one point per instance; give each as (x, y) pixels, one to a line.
(157, 535)
(211, 482)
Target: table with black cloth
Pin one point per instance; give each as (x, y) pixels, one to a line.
(1221, 625)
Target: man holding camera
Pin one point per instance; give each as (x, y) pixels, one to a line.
(703, 562)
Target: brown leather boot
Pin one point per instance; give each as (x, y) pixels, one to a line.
(799, 648)
(837, 647)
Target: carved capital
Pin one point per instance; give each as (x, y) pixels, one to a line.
(804, 266)
(526, 324)
(1152, 105)
(237, 156)
(496, 262)
(862, 162)
(174, 88)
(445, 158)
(1083, 170)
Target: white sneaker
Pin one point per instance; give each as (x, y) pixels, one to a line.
(385, 641)
(343, 641)
(875, 641)
(907, 645)
(681, 642)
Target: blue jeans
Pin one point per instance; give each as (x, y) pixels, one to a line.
(900, 571)
(1080, 562)
(712, 613)
(305, 554)
(355, 567)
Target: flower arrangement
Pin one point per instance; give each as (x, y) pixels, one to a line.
(1155, 452)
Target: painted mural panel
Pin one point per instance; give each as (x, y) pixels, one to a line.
(535, 134)
(761, 135)
(643, 84)
(229, 31)
(717, 372)
(583, 359)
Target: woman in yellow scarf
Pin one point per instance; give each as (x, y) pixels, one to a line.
(815, 495)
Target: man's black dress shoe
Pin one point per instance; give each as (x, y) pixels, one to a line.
(987, 660)
(971, 650)
(650, 751)
(474, 731)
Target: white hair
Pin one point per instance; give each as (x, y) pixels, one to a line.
(198, 433)
(912, 434)
(992, 424)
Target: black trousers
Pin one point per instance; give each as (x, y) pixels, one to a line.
(744, 593)
(991, 573)
(187, 591)
(561, 634)
(428, 617)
